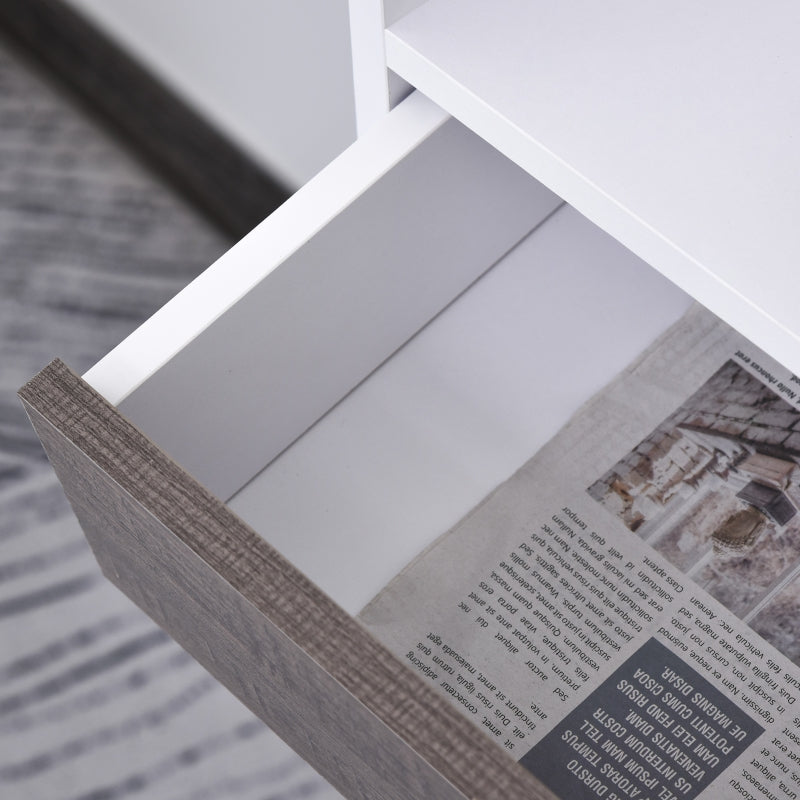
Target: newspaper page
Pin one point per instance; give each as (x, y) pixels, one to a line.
(623, 614)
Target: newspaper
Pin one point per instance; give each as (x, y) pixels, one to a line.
(623, 614)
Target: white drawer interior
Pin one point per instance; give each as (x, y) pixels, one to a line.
(458, 409)
(413, 214)
(351, 489)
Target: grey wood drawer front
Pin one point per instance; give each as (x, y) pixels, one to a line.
(309, 670)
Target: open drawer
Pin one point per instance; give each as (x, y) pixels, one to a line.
(351, 379)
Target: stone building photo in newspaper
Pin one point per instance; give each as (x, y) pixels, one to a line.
(715, 489)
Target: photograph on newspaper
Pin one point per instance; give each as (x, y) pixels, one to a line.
(715, 489)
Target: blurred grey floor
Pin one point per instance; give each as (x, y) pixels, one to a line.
(96, 703)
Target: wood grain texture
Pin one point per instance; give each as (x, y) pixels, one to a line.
(320, 680)
(211, 172)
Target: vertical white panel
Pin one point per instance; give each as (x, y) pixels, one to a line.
(369, 62)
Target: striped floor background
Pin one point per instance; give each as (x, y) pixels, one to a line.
(96, 703)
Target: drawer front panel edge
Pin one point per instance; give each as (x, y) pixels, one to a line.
(357, 714)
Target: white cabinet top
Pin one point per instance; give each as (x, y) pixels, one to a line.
(674, 126)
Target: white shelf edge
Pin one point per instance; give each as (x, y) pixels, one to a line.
(719, 296)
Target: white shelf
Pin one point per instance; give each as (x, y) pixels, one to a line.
(674, 127)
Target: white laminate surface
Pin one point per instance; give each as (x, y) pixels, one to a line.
(674, 126)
